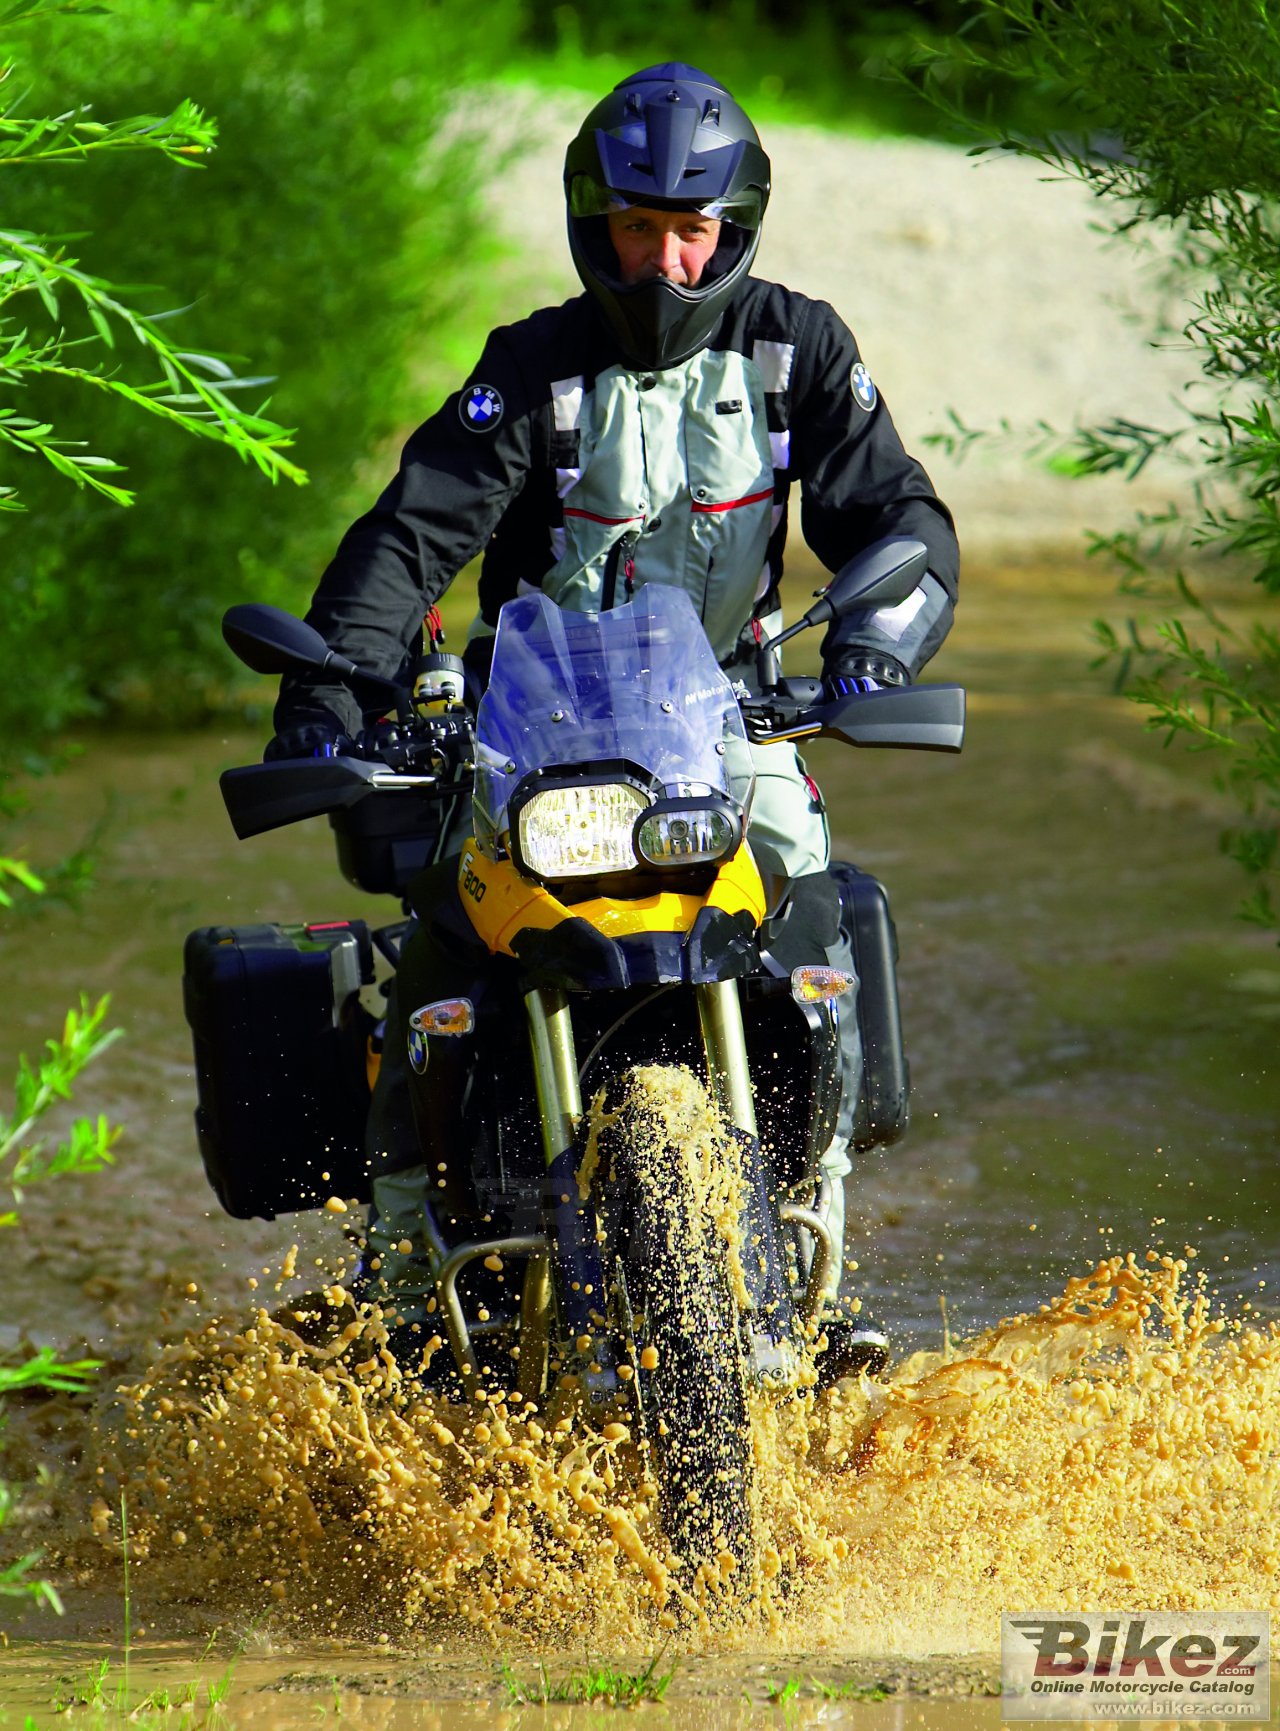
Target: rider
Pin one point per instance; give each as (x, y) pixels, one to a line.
(647, 431)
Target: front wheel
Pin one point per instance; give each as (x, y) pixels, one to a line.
(674, 1206)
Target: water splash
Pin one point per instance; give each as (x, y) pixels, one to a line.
(1119, 1448)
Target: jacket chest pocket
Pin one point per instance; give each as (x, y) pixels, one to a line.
(726, 437)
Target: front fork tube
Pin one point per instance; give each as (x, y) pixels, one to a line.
(572, 1222)
(724, 1046)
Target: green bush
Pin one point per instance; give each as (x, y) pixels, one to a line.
(816, 61)
(25, 1159)
(1184, 143)
(183, 391)
(333, 239)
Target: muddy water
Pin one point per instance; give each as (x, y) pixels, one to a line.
(1118, 1448)
(407, 1694)
(1093, 1046)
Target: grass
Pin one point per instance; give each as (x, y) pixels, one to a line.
(203, 1700)
(98, 1690)
(782, 1694)
(594, 1684)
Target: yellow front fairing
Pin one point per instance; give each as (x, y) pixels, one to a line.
(500, 903)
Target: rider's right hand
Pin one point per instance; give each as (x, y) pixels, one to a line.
(310, 739)
(853, 672)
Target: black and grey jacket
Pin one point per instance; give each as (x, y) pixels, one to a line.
(575, 474)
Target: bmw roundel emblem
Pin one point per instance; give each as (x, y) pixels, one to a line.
(480, 408)
(418, 1050)
(864, 392)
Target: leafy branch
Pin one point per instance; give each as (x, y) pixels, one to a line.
(27, 1159)
(193, 393)
(72, 137)
(194, 389)
(1180, 133)
(87, 1146)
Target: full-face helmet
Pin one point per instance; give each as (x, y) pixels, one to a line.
(667, 138)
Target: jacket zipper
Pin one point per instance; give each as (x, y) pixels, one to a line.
(621, 553)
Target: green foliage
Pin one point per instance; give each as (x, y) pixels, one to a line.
(1184, 143)
(27, 1158)
(21, 873)
(193, 392)
(202, 1698)
(43, 1370)
(16, 1578)
(783, 1694)
(594, 1683)
(59, 331)
(335, 237)
(787, 60)
(87, 1146)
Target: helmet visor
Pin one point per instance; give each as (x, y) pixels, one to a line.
(589, 197)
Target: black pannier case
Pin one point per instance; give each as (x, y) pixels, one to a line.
(884, 1106)
(280, 1042)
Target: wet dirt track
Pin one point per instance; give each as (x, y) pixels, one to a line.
(403, 1694)
(1091, 1030)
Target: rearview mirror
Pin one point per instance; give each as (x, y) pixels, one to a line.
(269, 640)
(880, 576)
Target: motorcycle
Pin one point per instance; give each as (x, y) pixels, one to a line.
(613, 936)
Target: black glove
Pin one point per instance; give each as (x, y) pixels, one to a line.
(310, 739)
(854, 672)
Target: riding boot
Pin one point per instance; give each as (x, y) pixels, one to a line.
(403, 1247)
(855, 1341)
(398, 1264)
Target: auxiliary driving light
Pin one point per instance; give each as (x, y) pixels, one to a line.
(680, 832)
(816, 985)
(580, 831)
(449, 1016)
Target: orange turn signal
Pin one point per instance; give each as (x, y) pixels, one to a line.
(449, 1016)
(813, 985)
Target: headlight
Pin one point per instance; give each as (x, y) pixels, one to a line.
(676, 832)
(580, 831)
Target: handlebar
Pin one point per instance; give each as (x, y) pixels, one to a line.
(439, 745)
(431, 756)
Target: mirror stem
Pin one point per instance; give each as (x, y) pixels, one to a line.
(773, 644)
(768, 672)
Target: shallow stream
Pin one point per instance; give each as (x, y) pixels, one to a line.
(1093, 1042)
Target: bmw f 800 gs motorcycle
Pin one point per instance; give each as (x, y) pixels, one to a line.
(609, 917)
